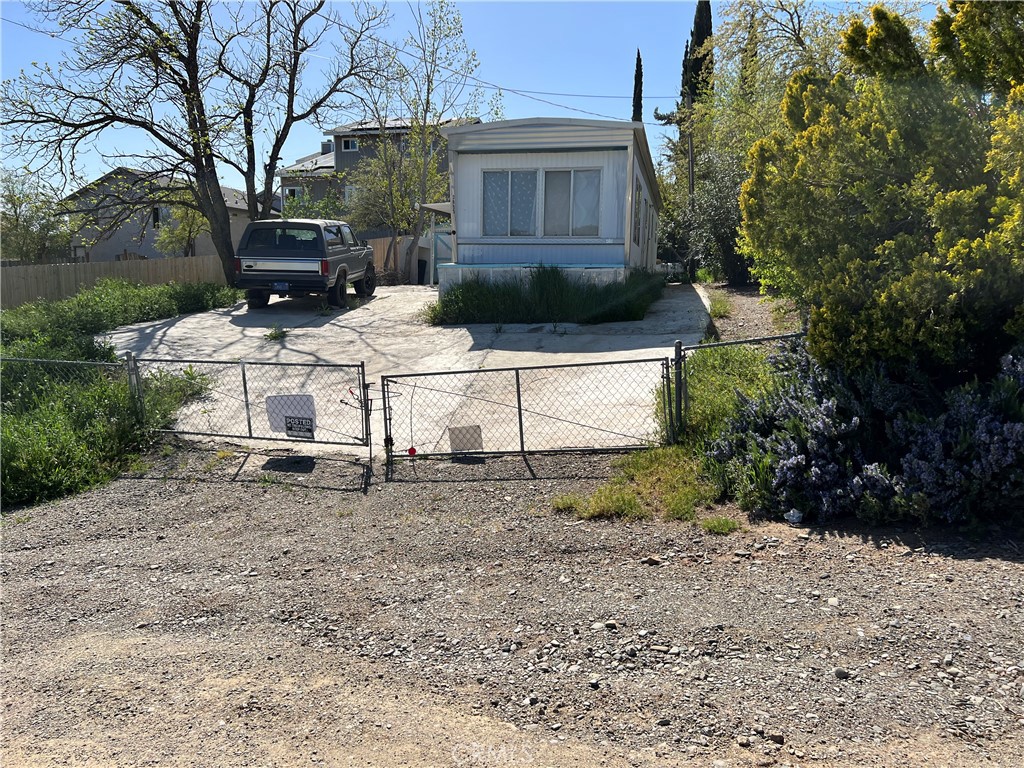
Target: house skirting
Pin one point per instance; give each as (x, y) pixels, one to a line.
(449, 275)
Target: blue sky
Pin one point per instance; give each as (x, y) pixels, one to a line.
(586, 48)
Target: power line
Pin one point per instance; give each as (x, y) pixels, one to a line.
(522, 92)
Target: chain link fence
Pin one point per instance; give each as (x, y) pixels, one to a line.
(272, 401)
(581, 407)
(679, 398)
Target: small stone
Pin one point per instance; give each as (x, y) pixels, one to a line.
(742, 553)
(954, 672)
(776, 737)
(664, 721)
(595, 684)
(833, 601)
(659, 648)
(556, 726)
(597, 625)
(743, 741)
(842, 673)
(611, 625)
(652, 560)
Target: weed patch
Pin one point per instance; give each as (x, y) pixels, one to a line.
(721, 526)
(550, 295)
(68, 427)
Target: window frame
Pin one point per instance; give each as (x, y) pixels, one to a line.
(350, 145)
(540, 201)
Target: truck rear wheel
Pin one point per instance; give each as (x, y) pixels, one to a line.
(368, 284)
(336, 293)
(257, 299)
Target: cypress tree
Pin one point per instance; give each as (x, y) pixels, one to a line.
(638, 90)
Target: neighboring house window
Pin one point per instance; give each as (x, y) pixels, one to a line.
(510, 203)
(292, 192)
(349, 193)
(161, 215)
(572, 203)
(349, 145)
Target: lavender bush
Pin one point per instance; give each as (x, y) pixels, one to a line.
(815, 446)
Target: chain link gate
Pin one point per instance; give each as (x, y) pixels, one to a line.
(575, 407)
(296, 402)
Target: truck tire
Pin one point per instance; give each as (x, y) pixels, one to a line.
(368, 284)
(257, 299)
(336, 293)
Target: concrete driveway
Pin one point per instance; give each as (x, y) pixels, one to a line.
(387, 333)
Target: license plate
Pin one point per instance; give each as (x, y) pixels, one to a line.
(279, 286)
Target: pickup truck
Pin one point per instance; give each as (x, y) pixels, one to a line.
(299, 257)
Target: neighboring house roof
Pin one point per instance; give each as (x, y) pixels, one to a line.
(538, 134)
(311, 165)
(234, 198)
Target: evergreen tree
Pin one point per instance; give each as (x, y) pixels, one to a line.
(638, 90)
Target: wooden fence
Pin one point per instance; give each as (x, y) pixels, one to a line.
(20, 285)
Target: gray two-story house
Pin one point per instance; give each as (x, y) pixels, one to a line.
(344, 147)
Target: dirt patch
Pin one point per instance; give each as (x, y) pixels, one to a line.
(220, 609)
(750, 314)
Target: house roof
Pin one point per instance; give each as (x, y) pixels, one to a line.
(538, 134)
(311, 165)
(390, 125)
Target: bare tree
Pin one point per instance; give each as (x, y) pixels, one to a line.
(436, 90)
(211, 85)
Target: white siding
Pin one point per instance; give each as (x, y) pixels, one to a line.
(643, 221)
(606, 248)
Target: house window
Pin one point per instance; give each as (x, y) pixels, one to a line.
(572, 203)
(510, 203)
(349, 145)
(292, 192)
(349, 193)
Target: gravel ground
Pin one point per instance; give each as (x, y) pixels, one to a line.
(222, 607)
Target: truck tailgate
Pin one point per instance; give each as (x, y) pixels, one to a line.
(256, 266)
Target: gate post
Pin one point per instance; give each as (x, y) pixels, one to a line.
(385, 408)
(245, 396)
(519, 410)
(135, 386)
(679, 362)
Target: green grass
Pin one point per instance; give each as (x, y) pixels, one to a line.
(613, 502)
(550, 295)
(719, 305)
(566, 503)
(721, 526)
(681, 482)
(67, 428)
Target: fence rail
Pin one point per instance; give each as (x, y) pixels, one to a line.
(22, 284)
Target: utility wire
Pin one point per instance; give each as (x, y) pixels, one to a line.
(524, 93)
